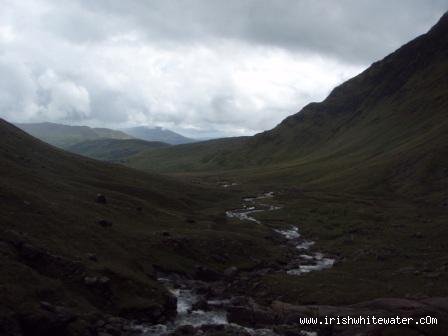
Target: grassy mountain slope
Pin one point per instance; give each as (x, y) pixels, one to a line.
(113, 150)
(54, 236)
(64, 135)
(157, 134)
(198, 156)
(385, 128)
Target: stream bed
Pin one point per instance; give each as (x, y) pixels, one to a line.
(199, 308)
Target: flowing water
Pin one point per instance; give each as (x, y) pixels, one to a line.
(186, 290)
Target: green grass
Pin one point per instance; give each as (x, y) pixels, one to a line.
(374, 241)
(113, 150)
(48, 202)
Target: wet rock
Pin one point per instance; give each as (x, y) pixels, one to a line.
(92, 257)
(250, 316)
(206, 274)
(231, 272)
(96, 281)
(200, 305)
(104, 223)
(417, 235)
(224, 330)
(241, 301)
(204, 288)
(101, 199)
(217, 289)
(184, 331)
(147, 311)
(219, 258)
(213, 327)
(100, 324)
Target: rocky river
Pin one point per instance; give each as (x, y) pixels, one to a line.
(205, 309)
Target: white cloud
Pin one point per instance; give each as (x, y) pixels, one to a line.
(7, 34)
(66, 99)
(119, 64)
(17, 91)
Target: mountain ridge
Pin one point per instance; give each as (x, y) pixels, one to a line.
(63, 136)
(157, 134)
(391, 114)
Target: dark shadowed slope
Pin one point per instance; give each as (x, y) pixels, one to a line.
(157, 134)
(114, 150)
(385, 128)
(57, 237)
(64, 135)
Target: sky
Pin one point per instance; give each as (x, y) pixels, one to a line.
(204, 68)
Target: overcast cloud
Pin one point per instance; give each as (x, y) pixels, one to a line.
(201, 67)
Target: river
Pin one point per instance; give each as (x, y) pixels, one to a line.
(191, 300)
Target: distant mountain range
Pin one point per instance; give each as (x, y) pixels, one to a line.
(103, 143)
(64, 136)
(157, 134)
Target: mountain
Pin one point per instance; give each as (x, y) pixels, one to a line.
(383, 130)
(364, 173)
(114, 150)
(64, 135)
(157, 134)
(83, 240)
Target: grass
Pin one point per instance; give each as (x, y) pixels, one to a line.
(113, 150)
(49, 229)
(384, 248)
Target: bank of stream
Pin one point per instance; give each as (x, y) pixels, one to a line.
(206, 307)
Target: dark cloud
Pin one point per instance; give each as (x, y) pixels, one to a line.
(202, 66)
(354, 30)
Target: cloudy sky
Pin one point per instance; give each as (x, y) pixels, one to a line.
(201, 67)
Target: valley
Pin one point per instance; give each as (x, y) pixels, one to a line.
(339, 210)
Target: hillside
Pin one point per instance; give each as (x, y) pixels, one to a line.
(113, 150)
(64, 136)
(157, 134)
(65, 251)
(384, 130)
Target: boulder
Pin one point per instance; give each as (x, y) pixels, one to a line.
(105, 223)
(206, 274)
(251, 316)
(96, 281)
(92, 257)
(184, 330)
(200, 305)
(101, 199)
(231, 272)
